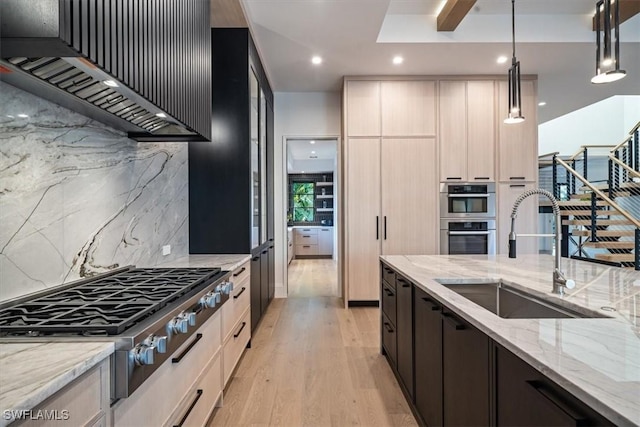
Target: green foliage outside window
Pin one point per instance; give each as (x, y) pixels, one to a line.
(303, 198)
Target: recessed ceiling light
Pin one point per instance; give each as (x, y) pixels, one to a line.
(111, 83)
(502, 59)
(313, 152)
(301, 171)
(542, 103)
(10, 116)
(161, 115)
(316, 60)
(397, 60)
(23, 116)
(312, 142)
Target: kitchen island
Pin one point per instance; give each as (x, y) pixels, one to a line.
(597, 360)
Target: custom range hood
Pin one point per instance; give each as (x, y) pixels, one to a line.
(137, 65)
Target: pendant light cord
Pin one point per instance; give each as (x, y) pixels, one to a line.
(513, 30)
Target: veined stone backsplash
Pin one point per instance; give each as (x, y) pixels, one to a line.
(78, 198)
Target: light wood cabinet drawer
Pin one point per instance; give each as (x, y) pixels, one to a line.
(305, 231)
(84, 402)
(306, 249)
(307, 239)
(241, 273)
(199, 403)
(235, 345)
(163, 390)
(233, 309)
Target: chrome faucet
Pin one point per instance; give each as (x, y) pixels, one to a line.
(560, 282)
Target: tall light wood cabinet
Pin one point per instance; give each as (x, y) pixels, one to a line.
(409, 215)
(363, 108)
(467, 131)
(518, 143)
(362, 229)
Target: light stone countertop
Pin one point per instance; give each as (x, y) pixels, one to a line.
(226, 262)
(597, 360)
(31, 372)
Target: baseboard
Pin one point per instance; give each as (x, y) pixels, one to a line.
(364, 304)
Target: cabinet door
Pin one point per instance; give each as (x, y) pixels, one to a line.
(526, 221)
(408, 108)
(465, 369)
(363, 108)
(409, 222)
(518, 143)
(481, 145)
(428, 356)
(325, 241)
(264, 280)
(256, 272)
(404, 326)
(363, 219)
(272, 272)
(453, 131)
(389, 340)
(524, 397)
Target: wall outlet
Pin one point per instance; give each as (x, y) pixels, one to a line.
(166, 250)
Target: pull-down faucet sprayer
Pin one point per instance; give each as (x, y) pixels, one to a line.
(559, 280)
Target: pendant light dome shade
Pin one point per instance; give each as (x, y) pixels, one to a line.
(607, 60)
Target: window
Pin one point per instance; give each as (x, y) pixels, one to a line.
(303, 201)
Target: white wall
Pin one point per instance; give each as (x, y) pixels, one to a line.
(604, 123)
(297, 114)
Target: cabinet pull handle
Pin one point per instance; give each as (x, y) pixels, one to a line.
(265, 252)
(306, 236)
(389, 292)
(193, 404)
(237, 334)
(454, 177)
(306, 246)
(271, 247)
(516, 177)
(404, 283)
(388, 327)
(255, 258)
(377, 227)
(481, 177)
(236, 296)
(549, 395)
(242, 270)
(186, 350)
(385, 227)
(516, 185)
(432, 303)
(453, 321)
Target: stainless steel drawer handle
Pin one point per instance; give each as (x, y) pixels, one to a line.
(466, 196)
(469, 233)
(237, 334)
(193, 404)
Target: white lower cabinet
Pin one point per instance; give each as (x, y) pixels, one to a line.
(325, 241)
(85, 401)
(236, 343)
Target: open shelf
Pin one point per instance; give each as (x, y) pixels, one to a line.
(324, 210)
(324, 196)
(324, 184)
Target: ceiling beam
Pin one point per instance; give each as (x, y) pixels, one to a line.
(453, 13)
(628, 9)
(227, 14)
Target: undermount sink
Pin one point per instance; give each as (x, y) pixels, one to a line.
(511, 303)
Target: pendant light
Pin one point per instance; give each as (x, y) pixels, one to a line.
(607, 66)
(515, 98)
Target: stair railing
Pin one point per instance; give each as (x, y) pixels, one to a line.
(597, 193)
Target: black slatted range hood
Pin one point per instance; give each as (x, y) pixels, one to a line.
(137, 65)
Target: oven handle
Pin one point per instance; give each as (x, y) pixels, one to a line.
(193, 404)
(469, 233)
(469, 195)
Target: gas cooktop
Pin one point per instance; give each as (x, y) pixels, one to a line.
(105, 306)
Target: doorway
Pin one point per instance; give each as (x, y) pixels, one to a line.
(311, 207)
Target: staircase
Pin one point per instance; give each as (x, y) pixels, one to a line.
(598, 189)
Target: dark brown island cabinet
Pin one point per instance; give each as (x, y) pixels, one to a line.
(453, 374)
(231, 186)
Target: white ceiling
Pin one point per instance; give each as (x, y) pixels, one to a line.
(360, 37)
(305, 157)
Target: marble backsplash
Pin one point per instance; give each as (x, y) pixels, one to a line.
(78, 198)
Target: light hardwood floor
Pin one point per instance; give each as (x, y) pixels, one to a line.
(314, 363)
(313, 278)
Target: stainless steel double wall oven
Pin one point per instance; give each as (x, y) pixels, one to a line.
(468, 218)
